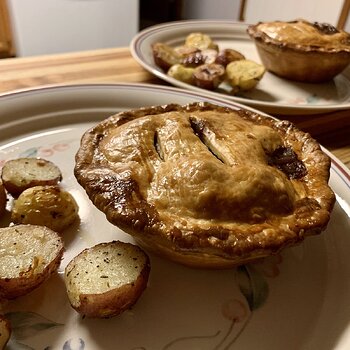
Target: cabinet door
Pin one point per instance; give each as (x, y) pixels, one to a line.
(6, 44)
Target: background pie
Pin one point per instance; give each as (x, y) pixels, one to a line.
(300, 50)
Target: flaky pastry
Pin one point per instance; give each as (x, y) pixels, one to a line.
(204, 185)
(300, 50)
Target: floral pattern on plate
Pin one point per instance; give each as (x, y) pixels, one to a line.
(250, 278)
(209, 309)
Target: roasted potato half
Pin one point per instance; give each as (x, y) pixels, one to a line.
(29, 255)
(48, 206)
(200, 57)
(165, 56)
(226, 56)
(107, 279)
(183, 51)
(209, 76)
(22, 173)
(200, 41)
(244, 74)
(181, 73)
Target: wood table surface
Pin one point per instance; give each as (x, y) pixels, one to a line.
(116, 65)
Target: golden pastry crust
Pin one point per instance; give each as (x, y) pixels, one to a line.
(300, 50)
(200, 184)
(302, 35)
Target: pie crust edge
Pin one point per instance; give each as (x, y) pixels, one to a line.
(124, 206)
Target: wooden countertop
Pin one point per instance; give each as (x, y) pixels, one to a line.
(114, 65)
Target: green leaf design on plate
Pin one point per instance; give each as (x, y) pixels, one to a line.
(252, 285)
(30, 152)
(27, 324)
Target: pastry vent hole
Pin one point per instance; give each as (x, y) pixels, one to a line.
(286, 160)
(198, 129)
(157, 146)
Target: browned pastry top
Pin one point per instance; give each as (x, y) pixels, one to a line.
(206, 185)
(301, 34)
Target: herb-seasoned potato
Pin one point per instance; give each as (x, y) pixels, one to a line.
(200, 41)
(107, 279)
(244, 74)
(200, 57)
(209, 76)
(22, 173)
(5, 331)
(211, 66)
(29, 255)
(182, 73)
(183, 51)
(165, 56)
(2, 199)
(48, 206)
(226, 56)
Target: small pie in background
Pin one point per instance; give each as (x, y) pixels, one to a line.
(204, 185)
(300, 50)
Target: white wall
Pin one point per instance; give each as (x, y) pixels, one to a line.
(53, 26)
(312, 10)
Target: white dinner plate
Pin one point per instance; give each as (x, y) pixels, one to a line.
(296, 300)
(272, 95)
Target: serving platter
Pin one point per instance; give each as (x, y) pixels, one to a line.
(272, 95)
(295, 300)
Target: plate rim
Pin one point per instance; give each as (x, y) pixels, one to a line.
(54, 87)
(18, 93)
(148, 86)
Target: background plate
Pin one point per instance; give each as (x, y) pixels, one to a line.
(272, 95)
(296, 300)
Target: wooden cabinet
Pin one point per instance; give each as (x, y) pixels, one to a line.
(6, 41)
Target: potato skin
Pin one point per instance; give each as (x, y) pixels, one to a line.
(48, 206)
(200, 57)
(113, 302)
(29, 279)
(200, 41)
(165, 56)
(209, 76)
(244, 74)
(22, 173)
(116, 299)
(226, 56)
(16, 287)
